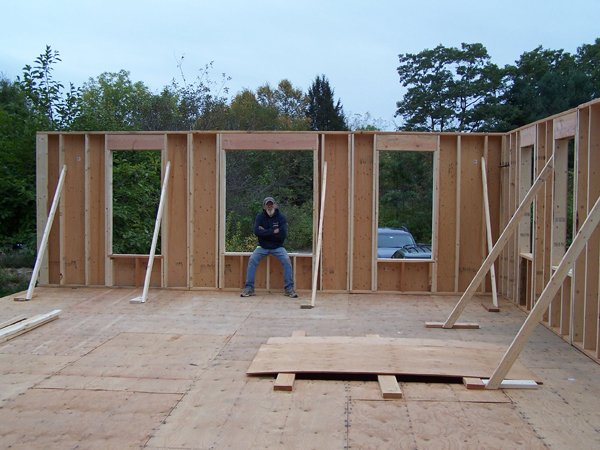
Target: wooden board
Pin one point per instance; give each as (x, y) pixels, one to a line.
(379, 356)
(23, 326)
(203, 211)
(175, 234)
(447, 217)
(335, 222)
(95, 211)
(362, 197)
(72, 211)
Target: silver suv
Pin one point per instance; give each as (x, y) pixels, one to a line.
(399, 243)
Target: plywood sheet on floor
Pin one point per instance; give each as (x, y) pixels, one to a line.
(470, 425)
(369, 355)
(49, 418)
(148, 355)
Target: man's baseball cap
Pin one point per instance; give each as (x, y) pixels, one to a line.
(267, 200)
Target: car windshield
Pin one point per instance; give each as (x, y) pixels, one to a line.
(394, 240)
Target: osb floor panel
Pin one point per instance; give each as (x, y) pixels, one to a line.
(171, 374)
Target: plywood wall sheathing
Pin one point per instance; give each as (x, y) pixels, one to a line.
(335, 223)
(55, 235)
(176, 215)
(471, 210)
(73, 211)
(203, 213)
(363, 197)
(447, 225)
(94, 210)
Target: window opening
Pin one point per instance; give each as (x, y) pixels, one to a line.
(405, 204)
(136, 185)
(253, 175)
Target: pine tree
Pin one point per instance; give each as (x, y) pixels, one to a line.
(323, 114)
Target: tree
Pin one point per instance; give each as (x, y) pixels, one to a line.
(447, 88)
(112, 102)
(17, 165)
(324, 114)
(289, 102)
(542, 83)
(588, 61)
(53, 108)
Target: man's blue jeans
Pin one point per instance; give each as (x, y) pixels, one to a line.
(279, 253)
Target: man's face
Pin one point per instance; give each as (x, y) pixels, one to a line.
(270, 209)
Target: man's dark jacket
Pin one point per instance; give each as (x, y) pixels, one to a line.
(264, 226)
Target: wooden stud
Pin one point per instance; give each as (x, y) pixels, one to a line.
(435, 217)
(41, 171)
(317, 257)
(457, 214)
(457, 325)
(157, 224)
(488, 229)
(12, 321)
(44, 243)
(24, 326)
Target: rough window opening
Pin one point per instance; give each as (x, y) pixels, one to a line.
(562, 218)
(253, 175)
(136, 185)
(406, 204)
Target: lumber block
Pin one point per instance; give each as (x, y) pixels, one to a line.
(514, 384)
(12, 321)
(473, 383)
(491, 308)
(389, 386)
(24, 326)
(459, 325)
(284, 382)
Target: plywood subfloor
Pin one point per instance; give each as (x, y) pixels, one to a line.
(171, 374)
(374, 355)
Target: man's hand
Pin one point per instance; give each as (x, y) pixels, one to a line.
(261, 228)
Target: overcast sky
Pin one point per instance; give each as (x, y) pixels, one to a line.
(355, 44)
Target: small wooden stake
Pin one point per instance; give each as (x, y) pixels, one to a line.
(462, 325)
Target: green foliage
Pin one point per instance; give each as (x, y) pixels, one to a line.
(12, 281)
(406, 192)
(545, 82)
(324, 114)
(17, 165)
(112, 102)
(136, 195)
(53, 108)
(452, 89)
(447, 88)
(269, 109)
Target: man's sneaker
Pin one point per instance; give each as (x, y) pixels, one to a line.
(247, 292)
(291, 293)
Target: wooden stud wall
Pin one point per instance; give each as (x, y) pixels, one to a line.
(193, 257)
(191, 233)
(573, 313)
